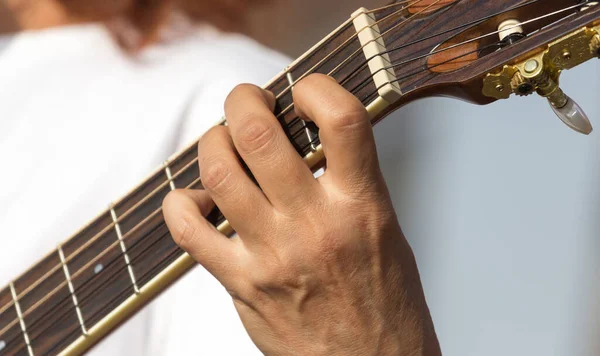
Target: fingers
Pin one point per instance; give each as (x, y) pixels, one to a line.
(264, 146)
(184, 212)
(344, 129)
(222, 175)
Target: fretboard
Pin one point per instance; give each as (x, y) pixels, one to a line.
(63, 297)
(122, 259)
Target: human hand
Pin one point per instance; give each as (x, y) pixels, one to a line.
(319, 266)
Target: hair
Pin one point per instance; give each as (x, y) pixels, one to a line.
(136, 23)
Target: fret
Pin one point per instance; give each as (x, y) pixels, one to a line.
(169, 175)
(98, 270)
(37, 303)
(71, 289)
(44, 300)
(103, 280)
(309, 134)
(11, 337)
(143, 191)
(155, 248)
(20, 316)
(185, 167)
(124, 250)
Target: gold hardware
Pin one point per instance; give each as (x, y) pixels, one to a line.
(494, 85)
(541, 72)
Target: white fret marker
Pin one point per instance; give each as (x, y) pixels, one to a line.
(20, 316)
(2, 345)
(169, 175)
(99, 267)
(72, 289)
(375, 51)
(113, 214)
(311, 136)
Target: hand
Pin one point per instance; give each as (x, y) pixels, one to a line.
(319, 266)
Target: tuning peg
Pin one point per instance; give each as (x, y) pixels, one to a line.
(567, 110)
(570, 112)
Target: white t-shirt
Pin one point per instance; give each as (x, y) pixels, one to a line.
(81, 123)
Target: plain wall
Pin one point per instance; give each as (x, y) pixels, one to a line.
(501, 204)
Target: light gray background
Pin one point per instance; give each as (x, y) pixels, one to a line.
(501, 204)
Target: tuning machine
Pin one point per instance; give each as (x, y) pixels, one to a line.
(541, 73)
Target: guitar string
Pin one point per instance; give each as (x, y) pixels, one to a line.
(58, 318)
(396, 26)
(394, 65)
(348, 58)
(182, 171)
(69, 258)
(469, 41)
(426, 69)
(290, 106)
(430, 54)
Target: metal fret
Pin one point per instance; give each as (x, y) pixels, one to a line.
(72, 289)
(21, 320)
(311, 136)
(169, 175)
(113, 214)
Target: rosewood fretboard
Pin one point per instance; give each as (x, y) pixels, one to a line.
(125, 247)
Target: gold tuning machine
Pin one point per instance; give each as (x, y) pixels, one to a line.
(541, 73)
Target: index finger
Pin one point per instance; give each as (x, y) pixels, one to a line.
(344, 128)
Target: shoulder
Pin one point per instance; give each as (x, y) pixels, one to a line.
(212, 56)
(211, 64)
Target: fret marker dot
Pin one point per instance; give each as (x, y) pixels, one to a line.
(98, 268)
(2, 345)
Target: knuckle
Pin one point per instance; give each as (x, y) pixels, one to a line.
(348, 118)
(255, 135)
(214, 174)
(184, 232)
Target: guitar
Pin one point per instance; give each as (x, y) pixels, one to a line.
(476, 50)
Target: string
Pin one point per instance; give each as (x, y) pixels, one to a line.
(462, 44)
(103, 253)
(311, 70)
(428, 68)
(366, 82)
(83, 300)
(566, 9)
(110, 226)
(350, 76)
(352, 56)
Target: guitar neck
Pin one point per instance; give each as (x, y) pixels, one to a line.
(125, 257)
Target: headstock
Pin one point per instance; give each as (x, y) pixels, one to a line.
(485, 50)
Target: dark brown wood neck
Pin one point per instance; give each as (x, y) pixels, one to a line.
(129, 244)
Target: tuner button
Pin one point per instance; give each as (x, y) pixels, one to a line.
(570, 113)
